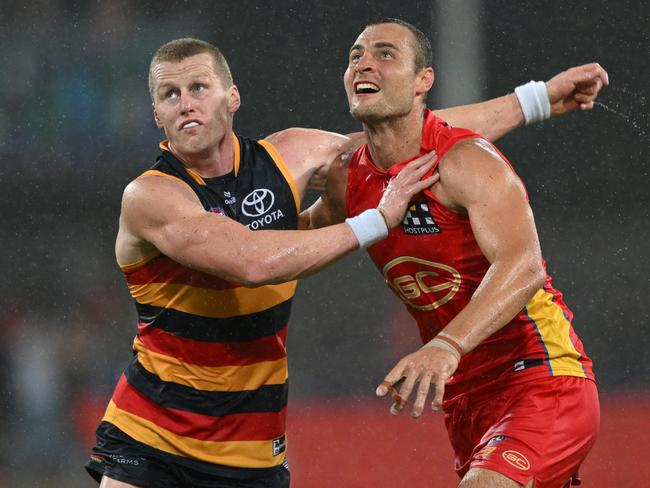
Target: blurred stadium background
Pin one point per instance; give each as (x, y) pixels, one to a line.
(75, 127)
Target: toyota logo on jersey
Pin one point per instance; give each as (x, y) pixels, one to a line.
(257, 202)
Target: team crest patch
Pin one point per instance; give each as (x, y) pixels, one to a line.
(516, 459)
(418, 220)
(279, 445)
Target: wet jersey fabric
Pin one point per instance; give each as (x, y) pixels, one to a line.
(208, 380)
(433, 263)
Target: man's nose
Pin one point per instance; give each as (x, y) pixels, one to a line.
(364, 64)
(186, 102)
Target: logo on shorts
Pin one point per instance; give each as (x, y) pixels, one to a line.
(516, 459)
(418, 220)
(485, 452)
(126, 460)
(257, 202)
(279, 445)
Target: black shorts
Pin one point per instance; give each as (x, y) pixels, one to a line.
(122, 458)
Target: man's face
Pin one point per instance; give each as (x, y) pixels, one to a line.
(192, 105)
(380, 79)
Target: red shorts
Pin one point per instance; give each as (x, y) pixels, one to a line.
(541, 429)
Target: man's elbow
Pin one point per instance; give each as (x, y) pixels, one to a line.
(536, 275)
(257, 272)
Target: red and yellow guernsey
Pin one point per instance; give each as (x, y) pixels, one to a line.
(433, 264)
(208, 380)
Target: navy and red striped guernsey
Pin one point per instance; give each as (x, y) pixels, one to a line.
(208, 380)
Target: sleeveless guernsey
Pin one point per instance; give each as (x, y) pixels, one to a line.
(433, 264)
(208, 379)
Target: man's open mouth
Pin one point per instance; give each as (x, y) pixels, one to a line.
(366, 87)
(189, 124)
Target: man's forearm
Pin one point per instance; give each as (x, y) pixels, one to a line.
(492, 119)
(503, 292)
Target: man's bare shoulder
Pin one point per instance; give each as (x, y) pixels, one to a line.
(153, 190)
(471, 156)
(308, 147)
(308, 153)
(150, 203)
(152, 200)
(472, 169)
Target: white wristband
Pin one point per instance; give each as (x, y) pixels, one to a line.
(368, 227)
(534, 101)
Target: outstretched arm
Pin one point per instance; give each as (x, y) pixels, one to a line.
(574, 88)
(165, 214)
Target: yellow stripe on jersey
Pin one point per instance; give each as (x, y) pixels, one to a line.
(236, 153)
(554, 329)
(155, 172)
(282, 166)
(140, 262)
(231, 302)
(242, 454)
(212, 378)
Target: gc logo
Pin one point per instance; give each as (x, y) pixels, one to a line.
(257, 202)
(422, 284)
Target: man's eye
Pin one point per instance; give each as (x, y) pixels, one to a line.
(171, 94)
(355, 57)
(198, 88)
(386, 54)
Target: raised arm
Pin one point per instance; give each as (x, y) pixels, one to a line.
(574, 88)
(308, 153)
(475, 179)
(164, 214)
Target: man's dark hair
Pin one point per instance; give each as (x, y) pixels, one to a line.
(179, 49)
(422, 46)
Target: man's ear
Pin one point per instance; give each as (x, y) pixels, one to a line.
(155, 117)
(234, 99)
(425, 81)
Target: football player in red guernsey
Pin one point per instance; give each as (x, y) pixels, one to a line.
(509, 372)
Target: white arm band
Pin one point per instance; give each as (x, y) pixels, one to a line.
(534, 102)
(368, 227)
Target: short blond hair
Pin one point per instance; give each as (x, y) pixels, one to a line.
(179, 49)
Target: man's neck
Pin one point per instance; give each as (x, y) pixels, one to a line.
(395, 140)
(216, 162)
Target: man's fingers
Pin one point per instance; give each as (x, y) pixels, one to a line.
(394, 376)
(601, 74)
(425, 183)
(587, 106)
(591, 89)
(423, 391)
(407, 387)
(591, 73)
(418, 164)
(399, 402)
(583, 98)
(436, 405)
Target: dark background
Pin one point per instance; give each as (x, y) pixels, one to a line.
(76, 127)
